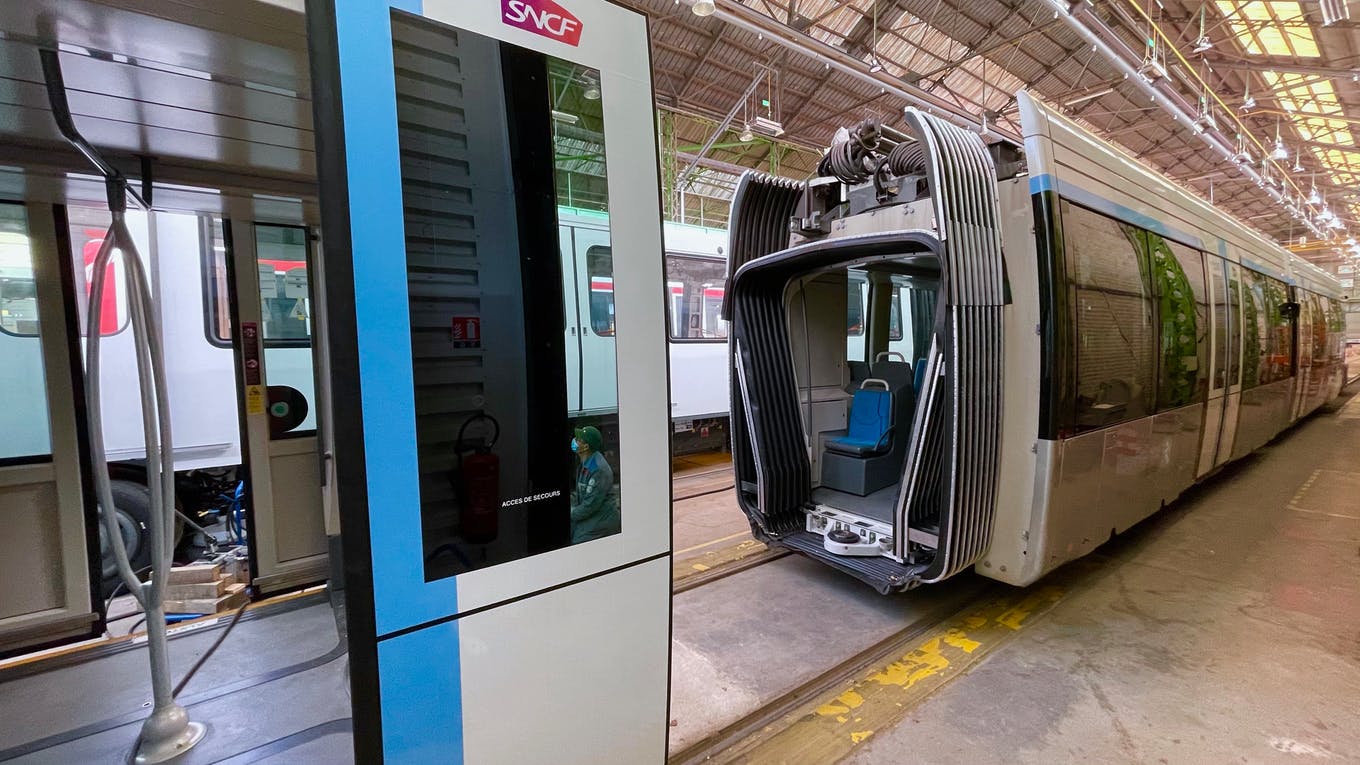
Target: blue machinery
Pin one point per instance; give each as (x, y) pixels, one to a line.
(436, 126)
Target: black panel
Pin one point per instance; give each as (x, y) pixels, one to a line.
(342, 343)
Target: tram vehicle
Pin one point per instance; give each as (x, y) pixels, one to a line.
(1093, 341)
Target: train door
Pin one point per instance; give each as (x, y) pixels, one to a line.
(1303, 352)
(1233, 396)
(575, 328)
(275, 353)
(595, 281)
(1220, 412)
(45, 583)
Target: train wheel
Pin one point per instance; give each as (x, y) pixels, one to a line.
(132, 508)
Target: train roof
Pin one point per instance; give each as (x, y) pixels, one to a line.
(1085, 169)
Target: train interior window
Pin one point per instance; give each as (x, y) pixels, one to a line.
(1114, 334)
(510, 464)
(286, 310)
(895, 316)
(87, 228)
(1183, 314)
(600, 269)
(855, 309)
(696, 288)
(23, 418)
(216, 301)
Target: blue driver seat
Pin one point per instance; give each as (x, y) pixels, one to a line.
(871, 422)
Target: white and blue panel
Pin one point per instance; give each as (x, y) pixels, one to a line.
(560, 656)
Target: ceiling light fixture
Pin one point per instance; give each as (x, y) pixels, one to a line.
(875, 66)
(592, 91)
(746, 135)
(1203, 44)
(1248, 100)
(703, 8)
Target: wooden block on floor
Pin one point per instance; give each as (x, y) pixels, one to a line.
(196, 573)
(206, 605)
(197, 591)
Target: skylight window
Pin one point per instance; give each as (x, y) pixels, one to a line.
(1270, 27)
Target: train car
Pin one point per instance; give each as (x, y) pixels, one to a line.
(1096, 340)
(187, 258)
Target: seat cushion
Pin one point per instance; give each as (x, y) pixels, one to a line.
(870, 425)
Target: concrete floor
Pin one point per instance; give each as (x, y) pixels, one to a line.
(1225, 629)
(705, 521)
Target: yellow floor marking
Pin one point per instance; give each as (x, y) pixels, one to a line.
(728, 538)
(697, 564)
(823, 732)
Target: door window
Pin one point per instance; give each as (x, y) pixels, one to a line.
(600, 268)
(25, 432)
(286, 329)
(696, 292)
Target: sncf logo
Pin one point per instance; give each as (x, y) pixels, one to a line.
(542, 17)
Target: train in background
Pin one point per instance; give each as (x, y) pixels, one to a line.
(187, 259)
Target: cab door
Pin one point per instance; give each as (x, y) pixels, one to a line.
(277, 368)
(45, 584)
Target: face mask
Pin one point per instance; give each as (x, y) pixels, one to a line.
(575, 447)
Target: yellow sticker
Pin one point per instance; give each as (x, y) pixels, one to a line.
(254, 399)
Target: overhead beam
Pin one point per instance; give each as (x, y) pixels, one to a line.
(1270, 64)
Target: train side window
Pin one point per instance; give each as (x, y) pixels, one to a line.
(1255, 329)
(285, 297)
(1279, 336)
(1115, 369)
(600, 270)
(696, 288)
(1320, 321)
(1183, 310)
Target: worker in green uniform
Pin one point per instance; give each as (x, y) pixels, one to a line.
(594, 509)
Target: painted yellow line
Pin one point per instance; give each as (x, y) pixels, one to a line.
(694, 565)
(828, 729)
(737, 535)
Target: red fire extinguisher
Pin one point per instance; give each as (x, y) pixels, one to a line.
(479, 484)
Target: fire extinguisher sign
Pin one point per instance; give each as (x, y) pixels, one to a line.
(466, 332)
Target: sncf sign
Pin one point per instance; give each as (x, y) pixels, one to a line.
(542, 17)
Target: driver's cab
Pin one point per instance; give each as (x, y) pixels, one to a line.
(859, 396)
